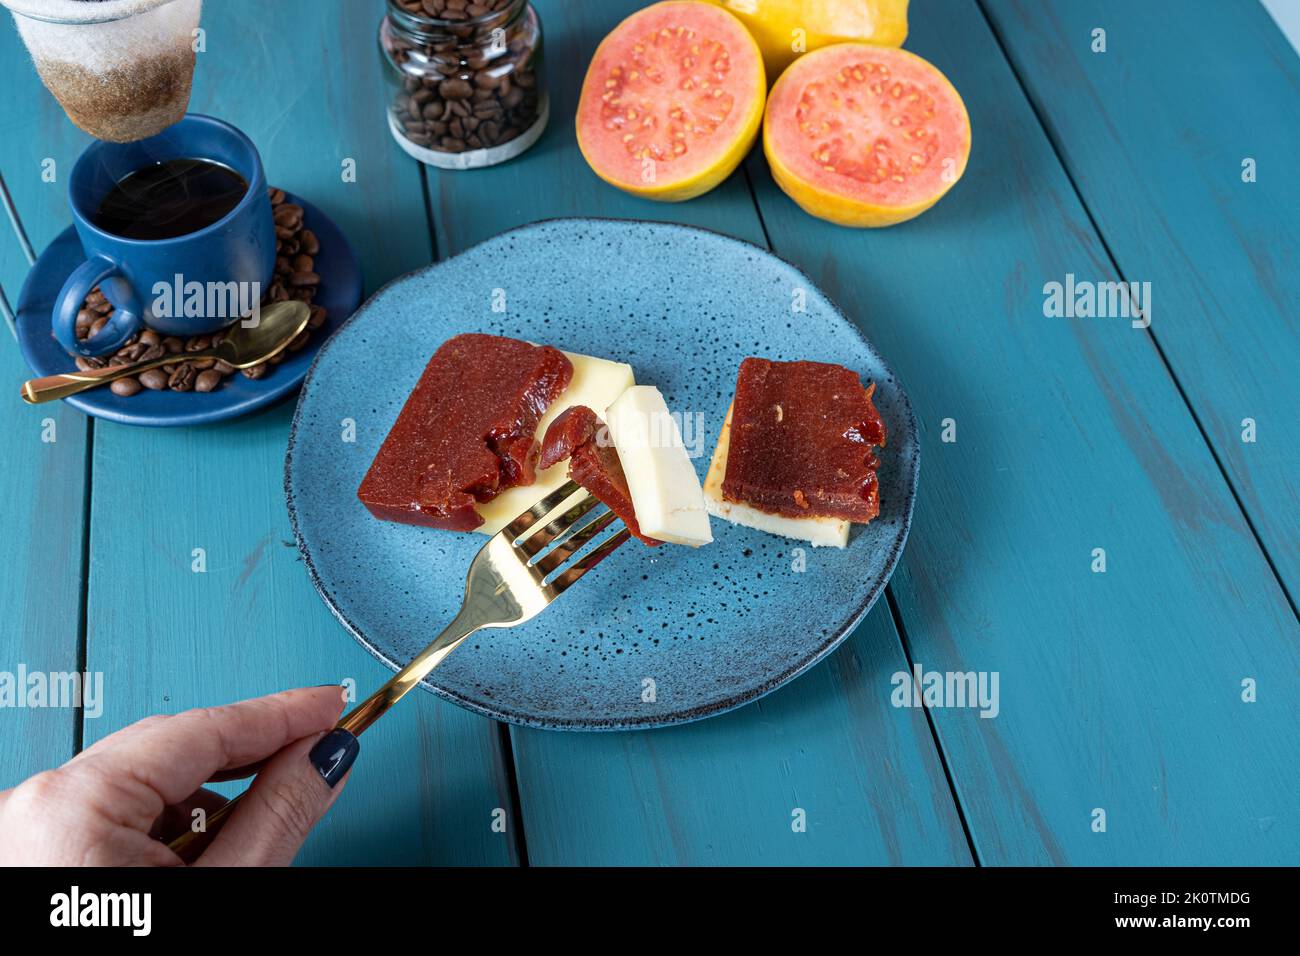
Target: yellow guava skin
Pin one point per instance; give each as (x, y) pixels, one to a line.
(819, 23)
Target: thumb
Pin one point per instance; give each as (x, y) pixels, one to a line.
(286, 800)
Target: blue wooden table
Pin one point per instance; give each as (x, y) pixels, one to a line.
(1148, 712)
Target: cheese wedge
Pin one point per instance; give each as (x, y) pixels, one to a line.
(661, 480)
(819, 531)
(596, 383)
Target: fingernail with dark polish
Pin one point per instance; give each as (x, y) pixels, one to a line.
(333, 755)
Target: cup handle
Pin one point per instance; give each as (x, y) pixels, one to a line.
(124, 323)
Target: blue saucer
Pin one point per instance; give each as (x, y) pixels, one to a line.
(653, 636)
(339, 293)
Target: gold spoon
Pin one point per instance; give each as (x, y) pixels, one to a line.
(243, 346)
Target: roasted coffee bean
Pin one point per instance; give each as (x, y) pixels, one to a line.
(150, 338)
(310, 244)
(95, 326)
(203, 364)
(173, 345)
(456, 89)
(86, 363)
(277, 196)
(512, 99)
(303, 263)
(207, 381)
(198, 343)
(182, 378)
(152, 352)
(304, 278)
(130, 354)
(125, 387)
(299, 341)
(154, 378)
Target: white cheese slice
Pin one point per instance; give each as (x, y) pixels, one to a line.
(664, 487)
(596, 383)
(820, 531)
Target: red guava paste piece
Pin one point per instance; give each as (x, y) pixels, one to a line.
(466, 432)
(571, 429)
(579, 435)
(802, 441)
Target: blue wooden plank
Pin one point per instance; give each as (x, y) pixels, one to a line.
(1221, 86)
(1120, 691)
(430, 775)
(724, 791)
(42, 481)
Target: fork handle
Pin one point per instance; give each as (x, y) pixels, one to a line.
(400, 684)
(190, 843)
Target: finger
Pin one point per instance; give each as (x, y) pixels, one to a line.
(238, 773)
(177, 818)
(286, 800)
(162, 760)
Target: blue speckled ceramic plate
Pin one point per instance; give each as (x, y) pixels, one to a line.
(339, 293)
(713, 628)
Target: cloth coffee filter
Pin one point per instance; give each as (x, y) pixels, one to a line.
(121, 69)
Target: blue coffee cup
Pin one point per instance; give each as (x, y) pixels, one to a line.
(146, 279)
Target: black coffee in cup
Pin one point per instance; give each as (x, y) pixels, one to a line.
(170, 199)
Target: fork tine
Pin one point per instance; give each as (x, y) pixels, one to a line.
(560, 526)
(574, 543)
(540, 510)
(589, 561)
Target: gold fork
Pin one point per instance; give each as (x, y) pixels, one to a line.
(522, 568)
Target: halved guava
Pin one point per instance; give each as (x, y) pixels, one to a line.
(672, 101)
(863, 135)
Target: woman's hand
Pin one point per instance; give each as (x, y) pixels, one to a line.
(116, 803)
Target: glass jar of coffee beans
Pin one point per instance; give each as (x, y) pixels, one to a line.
(464, 79)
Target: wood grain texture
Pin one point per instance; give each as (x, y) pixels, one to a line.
(302, 80)
(1119, 691)
(722, 791)
(1220, 85)
(43, 490)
